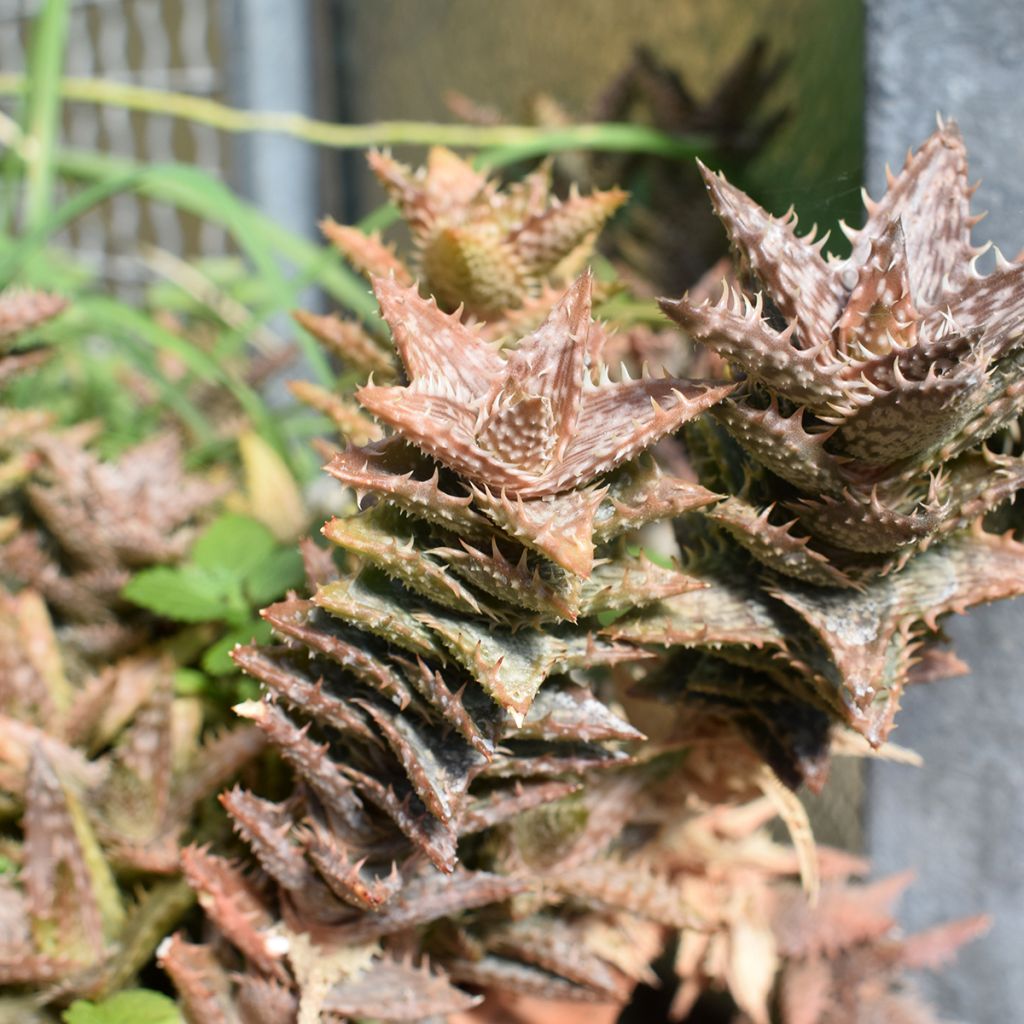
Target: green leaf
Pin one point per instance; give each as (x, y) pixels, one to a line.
(189, 682)
(49, 223)
(43, 106)
(234, 544)
(606, 618)
(187, 593)
(135, 1006)
(276, 574)
(217, 658)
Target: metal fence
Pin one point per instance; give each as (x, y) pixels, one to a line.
(172, 44)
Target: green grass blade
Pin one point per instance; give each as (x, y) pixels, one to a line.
(43, 107)
(119, 320)
(15, 256)
(260, 238)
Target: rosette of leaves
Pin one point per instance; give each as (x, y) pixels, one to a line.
(497, 256)
(21, 311)
(854, 460)
(101, 776)
(85, 524)
(837, 958)
(427, 698)
(485, 249)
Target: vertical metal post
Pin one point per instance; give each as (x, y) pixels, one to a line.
(268, 51)
(959, 820)
(269, 55)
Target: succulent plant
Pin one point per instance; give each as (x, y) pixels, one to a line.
(666, 238)
(498, 257)
(102, 766)
(528, 755)
(479, 247)
(470, 582)
(851, 456)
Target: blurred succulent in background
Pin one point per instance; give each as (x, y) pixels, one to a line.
(485, 249)
(102, 766)
(666, 238)
(22, 310)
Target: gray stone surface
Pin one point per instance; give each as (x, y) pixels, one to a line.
(959, 820)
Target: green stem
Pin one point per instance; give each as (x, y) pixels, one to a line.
(508, 142)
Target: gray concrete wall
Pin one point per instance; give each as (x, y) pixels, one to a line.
(959, 820)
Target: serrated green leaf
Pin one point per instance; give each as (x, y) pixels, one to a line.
(187, 593)
(274, 576)
(233, 544)
(137, 1006)
(217, 657)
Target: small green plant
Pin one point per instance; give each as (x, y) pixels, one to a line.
(130, 1007)
(235, 567)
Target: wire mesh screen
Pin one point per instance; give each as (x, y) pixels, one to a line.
(171, 44)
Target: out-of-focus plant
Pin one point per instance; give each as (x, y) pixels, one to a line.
(666, 238)
(131, 1007)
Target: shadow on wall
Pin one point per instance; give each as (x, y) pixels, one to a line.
(504, 55)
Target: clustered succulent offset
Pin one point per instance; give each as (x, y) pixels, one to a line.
(526, 755)
(853, 452)
(101, 764)
(478, 247)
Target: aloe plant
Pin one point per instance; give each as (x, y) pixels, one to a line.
(853, 454)
(532, 755)
(102, 764)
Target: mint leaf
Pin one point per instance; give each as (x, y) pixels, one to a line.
(136, 1006)
(185, 593)
(277, 573)
(234, 544)
(216, 658)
